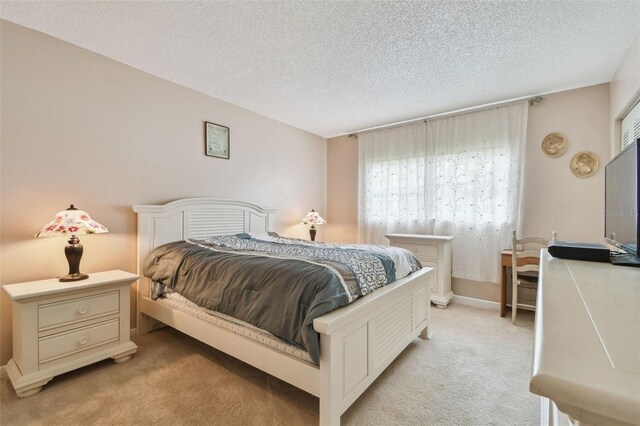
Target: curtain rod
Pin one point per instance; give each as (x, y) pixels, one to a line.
(532, 101)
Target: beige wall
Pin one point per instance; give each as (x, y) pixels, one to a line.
(554, 199)
(625, 90)
(342, 190)
(80, 128)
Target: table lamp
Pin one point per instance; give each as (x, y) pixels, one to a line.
(72, 222)
(312, 218)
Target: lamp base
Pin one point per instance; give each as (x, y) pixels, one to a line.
(312, 233)
(73, 252)
(73, 277)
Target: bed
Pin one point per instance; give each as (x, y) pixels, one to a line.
(357, 341)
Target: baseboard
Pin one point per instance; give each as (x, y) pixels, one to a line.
(133, 332)
(3, 371)
(478, 303)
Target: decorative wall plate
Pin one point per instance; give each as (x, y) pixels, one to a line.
(584, 164)
(554, 144)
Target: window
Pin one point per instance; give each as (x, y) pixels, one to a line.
(455, 176)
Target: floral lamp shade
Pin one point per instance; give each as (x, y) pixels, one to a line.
(312, 218)
(72, 222)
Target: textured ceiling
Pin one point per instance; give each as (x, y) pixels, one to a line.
(335, 67)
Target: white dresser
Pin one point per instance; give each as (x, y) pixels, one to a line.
(586, 360)
(433, 251)
(61, 326)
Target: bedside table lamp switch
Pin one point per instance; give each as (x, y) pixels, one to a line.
(72, 222)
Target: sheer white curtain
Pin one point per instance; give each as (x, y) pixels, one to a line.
(475, 167)
(459, 175)
(392, 182)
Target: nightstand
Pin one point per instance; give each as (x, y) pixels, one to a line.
(433, 251)
(61, 326)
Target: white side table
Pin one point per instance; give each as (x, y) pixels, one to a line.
(58, 327)
(433, 251)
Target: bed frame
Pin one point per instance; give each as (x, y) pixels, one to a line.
(357, 342)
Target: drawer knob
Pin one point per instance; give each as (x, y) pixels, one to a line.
(83, 310)
(83, 340)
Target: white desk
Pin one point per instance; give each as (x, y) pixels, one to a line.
(587, 342)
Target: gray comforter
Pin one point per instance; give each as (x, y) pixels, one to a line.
(276, 284)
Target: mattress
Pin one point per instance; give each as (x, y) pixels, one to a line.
(182, 304)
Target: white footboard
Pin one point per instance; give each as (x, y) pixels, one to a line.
(359, 341)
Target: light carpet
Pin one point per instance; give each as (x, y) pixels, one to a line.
(474, 371)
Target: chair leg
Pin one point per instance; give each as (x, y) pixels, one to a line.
(514, 302)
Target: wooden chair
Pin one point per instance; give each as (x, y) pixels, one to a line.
(525, 264)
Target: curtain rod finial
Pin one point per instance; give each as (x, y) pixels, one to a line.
(536, 100)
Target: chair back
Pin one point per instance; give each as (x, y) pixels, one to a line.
(525, 254)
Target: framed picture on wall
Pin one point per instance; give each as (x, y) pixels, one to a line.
(216, 140)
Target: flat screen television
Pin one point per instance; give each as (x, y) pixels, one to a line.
(622, 194)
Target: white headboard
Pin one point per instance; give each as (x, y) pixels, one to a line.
(197, 217)
(193, 218)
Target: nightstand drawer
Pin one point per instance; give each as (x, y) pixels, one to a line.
(70, 311)
(422, 250)
(78, 340)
